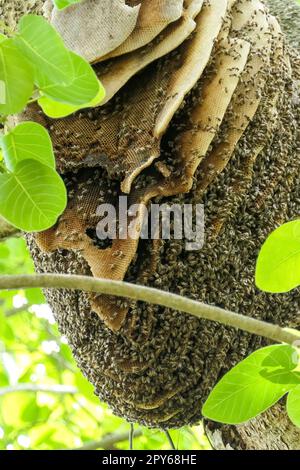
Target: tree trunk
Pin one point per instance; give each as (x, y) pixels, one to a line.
(271, 431)
(159, 368)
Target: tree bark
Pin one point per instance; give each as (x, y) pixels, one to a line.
(271, 431)
(7, 230)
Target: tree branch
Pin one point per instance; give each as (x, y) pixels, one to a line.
(15, 311)
(153, 296)
(108, 441)
(6, 230)
(57, 389)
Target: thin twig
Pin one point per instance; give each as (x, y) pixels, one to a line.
(153, 296)
(57, 389)
(131, 434)
(15, 311)
(7, 231)
(108, 441)
(172, 445)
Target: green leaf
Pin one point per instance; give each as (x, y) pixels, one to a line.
(278, 264)
(293, 406)
(56, 110)
(28, 140)
(61, 4)
(45, 49)
(84, 87)
(2, 37)
(16, 79)
(282, 357)
(252, 386)
(32, 197)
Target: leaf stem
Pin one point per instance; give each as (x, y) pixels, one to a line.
(34, 99)
(153, 296)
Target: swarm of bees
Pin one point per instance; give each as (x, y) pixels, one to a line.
(202, 106)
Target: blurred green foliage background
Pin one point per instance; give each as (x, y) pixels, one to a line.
(45, 402)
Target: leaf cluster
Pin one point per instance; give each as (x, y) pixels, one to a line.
(35, 65)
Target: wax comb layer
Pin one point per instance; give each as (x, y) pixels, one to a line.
(261, 133)
(204, 119)
(195, 54)
(102, 136)
(110, 22)
(118, 71)
(249, 17)
(154, 17)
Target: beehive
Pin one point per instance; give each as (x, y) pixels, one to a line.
(206, 112)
